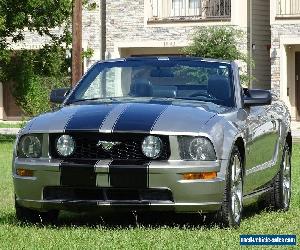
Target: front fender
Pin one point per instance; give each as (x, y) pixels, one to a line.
(223, 134)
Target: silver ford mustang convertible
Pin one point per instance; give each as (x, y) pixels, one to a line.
(155, 134)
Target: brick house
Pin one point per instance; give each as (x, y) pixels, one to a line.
(285, 52)
(164, 27)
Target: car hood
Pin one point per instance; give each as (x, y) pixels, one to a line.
(176, 117)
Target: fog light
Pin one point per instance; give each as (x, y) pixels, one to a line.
(200, 176)
(65, 145)
(152, 147)
(24, 172)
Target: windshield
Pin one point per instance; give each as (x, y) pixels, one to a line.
(175, 79)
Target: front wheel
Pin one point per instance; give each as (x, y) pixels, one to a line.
(231, 211)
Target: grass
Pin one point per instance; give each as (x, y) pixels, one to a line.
(116, 232)
(10, 125)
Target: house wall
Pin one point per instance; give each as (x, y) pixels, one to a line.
(261, 40)
(91, 33)
(285, 41)
(131, 30)
(281, 29)
(282, 35)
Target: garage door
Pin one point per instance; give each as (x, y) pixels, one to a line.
(173, 51)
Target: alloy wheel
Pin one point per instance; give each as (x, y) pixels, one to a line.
(236, 188)
(286, 179)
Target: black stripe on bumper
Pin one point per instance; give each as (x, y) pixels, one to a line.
(129, 174)
(78, 174)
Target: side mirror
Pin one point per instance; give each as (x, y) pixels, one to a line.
(257, 97)
(58, 96)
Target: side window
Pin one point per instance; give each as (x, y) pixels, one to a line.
(95, 90)
(107, 83)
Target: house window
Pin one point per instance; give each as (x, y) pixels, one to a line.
(185, 10)
(177, 8)
(194, 4)
(154, 8)
(286, 8)
(194, 7)
(186, 7)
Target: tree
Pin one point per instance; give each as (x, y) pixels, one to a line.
(219, 43)
(36, 15)
(31, 75)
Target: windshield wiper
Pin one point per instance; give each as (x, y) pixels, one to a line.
(194, 99)
(106, 99)
(95, 99)
(214, 101)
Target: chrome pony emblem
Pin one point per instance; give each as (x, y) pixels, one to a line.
(107, 145)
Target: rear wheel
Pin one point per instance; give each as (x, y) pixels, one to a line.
(281, 192)
(32, 216)
(231, 211)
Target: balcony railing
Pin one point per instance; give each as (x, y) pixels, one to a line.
(288, 8)
(181, 10)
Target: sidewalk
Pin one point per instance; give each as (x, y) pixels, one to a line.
(295, 126)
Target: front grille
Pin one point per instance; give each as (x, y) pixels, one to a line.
(107, 194)
(127, 147)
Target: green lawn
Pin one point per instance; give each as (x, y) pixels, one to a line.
(91, 232)
(10, 125)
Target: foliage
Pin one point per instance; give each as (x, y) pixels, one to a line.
(10, 125)
(33, 96)
(90, 6)
(88, 53)
(35, 15)
(33, 74)
(7, 138)
(220, 43)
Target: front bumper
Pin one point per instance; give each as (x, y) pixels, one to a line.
(185, 196)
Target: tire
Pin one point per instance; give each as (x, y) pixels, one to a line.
(32, 216)
(280, 195)
(230, 213)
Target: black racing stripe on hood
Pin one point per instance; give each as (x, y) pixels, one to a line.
(139, 117)
(89, 117)
(129, 174)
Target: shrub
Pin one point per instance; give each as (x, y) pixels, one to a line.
(220, 43)
(32, 75)
(33, 95)
(7, 138)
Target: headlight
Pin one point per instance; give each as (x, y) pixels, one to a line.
(197, 149)
(65, 145)
(30, 146)
(152, 147)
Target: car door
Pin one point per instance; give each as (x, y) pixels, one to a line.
(260, 150)
(274, 128)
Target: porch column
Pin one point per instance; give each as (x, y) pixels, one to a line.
(1, 102)
(205, 8)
